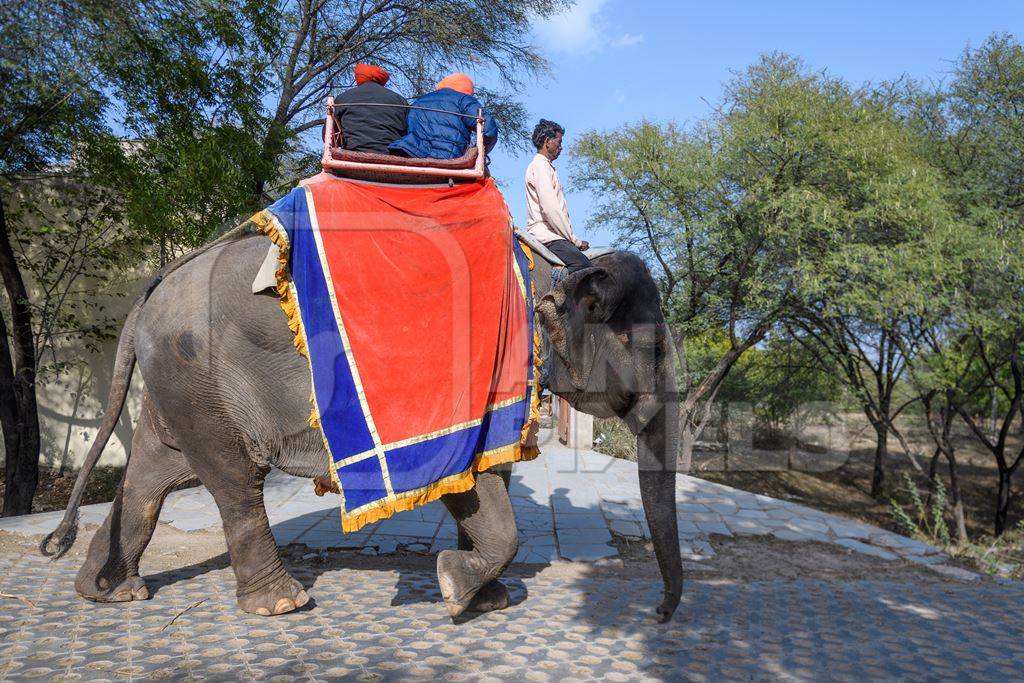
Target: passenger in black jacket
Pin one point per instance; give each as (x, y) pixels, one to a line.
(373, 128)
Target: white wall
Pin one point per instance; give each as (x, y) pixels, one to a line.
(71, 406)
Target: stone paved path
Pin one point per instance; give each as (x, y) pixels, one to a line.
(375, 618)
(567, 504)
(388, 624)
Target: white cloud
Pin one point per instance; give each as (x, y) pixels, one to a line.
(581, 30)
(628, 40)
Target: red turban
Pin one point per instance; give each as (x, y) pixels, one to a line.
(369, 72)
(459, 82)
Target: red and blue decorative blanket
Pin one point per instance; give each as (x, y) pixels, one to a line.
(414, 308)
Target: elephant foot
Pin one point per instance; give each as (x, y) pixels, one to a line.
(493, 596)
(132, 588)
(286, 595)
(459, 583)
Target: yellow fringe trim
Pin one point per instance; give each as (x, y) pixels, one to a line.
(287, 298)
(533, 419)
(457, 483)
(268, 225)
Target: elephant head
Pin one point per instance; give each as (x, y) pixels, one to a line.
(613, 356)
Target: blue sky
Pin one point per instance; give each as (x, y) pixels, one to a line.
(614, 62)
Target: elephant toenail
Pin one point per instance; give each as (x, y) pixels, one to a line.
(284, 605)
(301, 599)
(263, 611)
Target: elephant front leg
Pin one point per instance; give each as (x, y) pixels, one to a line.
(494, 594)
(488, 541)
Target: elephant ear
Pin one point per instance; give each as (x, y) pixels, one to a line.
(585, 298)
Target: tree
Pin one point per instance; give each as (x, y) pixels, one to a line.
(70, 240)
(173, 74)
(49, 102)
(761, 213)
(417, 40)
(975, 134)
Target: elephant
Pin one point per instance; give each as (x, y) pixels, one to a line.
(227, 398)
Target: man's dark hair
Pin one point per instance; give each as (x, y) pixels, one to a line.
(544, 131)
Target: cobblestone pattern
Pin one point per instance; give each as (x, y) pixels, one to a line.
(567, 505)
(390, 625)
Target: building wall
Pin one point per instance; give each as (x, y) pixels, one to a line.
(71, 403)
(71, 406)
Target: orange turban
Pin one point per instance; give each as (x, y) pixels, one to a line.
(459, 82)
(369, 72)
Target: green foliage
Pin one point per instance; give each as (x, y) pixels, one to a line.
(973, 321)
(917, 518)
(189, 79)
(798, 187)
(779, 378)
(50, 100)
(71, 241)
(787, 383)
(799, 197)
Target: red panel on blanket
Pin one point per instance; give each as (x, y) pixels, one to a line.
(422, 277)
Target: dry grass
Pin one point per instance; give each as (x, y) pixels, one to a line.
(845, 490)
(53, 490)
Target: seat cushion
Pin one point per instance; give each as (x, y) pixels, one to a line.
(466, 161)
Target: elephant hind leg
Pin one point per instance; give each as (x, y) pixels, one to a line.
(484, 516)
(264, 586)
(111, 569)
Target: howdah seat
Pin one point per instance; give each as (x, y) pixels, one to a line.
(396, 169)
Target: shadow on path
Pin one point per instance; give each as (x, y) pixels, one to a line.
(417, 580)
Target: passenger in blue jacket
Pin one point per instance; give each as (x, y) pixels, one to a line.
(437, 135)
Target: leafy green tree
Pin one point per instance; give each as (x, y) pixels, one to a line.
(784, 380)
(974, 128)
(50, 101)
(764, 212)
(417, 41)
(189, 81)
(173, 75)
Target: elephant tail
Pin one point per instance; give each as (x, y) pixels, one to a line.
(62, 538)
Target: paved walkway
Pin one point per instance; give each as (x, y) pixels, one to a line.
(567, 505)
(381, 618)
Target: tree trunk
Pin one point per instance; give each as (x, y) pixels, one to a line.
(881, 449)
(956, 499)
(20, 417)
(8, 408)
(933, 474)
(1002, 501)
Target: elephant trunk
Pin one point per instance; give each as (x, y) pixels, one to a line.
(657, 449)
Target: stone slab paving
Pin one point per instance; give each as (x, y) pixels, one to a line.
(578, 611)
(388, 623)
(567, 504)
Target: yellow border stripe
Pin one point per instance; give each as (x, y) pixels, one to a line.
(378, 447)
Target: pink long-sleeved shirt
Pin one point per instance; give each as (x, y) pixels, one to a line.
(547, 215)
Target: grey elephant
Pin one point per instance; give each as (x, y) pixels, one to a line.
(227, 398)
